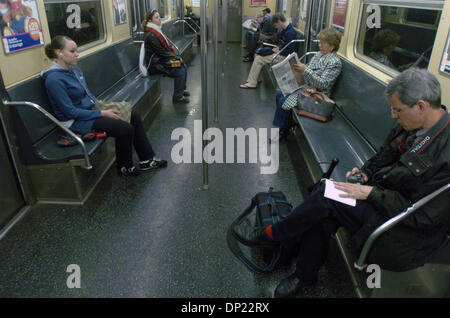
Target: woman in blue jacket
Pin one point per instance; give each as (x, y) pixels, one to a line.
(73, 104)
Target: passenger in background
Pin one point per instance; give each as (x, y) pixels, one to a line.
(251, 37)
(413, 162)
(4, 8)
(383, 43)
(321, 74)
(161, 58)
(265, 54)
(268, 31)
(73, 104)
(192, 15)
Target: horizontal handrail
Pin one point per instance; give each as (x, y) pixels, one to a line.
(360, 264)
(307, 54)
(193, 21)
(58, 123)
(182, 20)
(279, 52)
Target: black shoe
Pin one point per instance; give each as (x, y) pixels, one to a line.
(251, 236)
(248, 59)
(133, 171)
(284, 133)
(182, 99)
(186, 94)
(290, 286)
(153, 164)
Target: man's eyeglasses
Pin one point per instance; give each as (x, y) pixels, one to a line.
(398, 111)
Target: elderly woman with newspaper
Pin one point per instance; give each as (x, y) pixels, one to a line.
(320, 74)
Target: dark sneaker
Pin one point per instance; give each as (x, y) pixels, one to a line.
(181, 100)
(291, 286)
(186, 94)
(133, 171)
(153, 164)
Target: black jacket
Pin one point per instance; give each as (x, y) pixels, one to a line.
(159, 55)
(397, 185)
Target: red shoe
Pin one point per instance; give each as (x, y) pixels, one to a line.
(101, 135)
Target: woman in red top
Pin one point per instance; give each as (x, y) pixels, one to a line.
(161, 57)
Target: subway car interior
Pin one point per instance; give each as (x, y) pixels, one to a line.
(72, 225)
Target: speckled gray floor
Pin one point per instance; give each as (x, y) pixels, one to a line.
(159, 235)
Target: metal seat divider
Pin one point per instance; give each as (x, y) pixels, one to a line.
(88, 164)
(360, 263)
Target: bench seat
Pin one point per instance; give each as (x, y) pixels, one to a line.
(334, 139)
(56, 173)
(352, 136)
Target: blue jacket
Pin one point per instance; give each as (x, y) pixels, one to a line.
(70, 98)
(286, 36)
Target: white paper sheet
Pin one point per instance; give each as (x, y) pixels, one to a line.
(332, 193)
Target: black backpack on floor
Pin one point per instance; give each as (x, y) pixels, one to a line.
(271, 208)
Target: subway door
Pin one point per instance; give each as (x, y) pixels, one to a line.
(234, 20)
(318, 17)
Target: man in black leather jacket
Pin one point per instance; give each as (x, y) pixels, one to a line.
(413, 162)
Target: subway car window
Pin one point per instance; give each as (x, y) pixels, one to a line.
(83, 21)
(295, 13)
(163, 9)
(385, 35)
(302, 14)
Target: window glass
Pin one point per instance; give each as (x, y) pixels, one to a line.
(81, 20)
(295, 13)
(163, 9)
(397, 37)
(302, 16)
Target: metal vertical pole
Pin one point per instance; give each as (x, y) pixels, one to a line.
(204, 52)
(216, 61)
(181, 9)
(224, 43)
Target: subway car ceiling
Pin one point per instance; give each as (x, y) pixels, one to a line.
(417, 30)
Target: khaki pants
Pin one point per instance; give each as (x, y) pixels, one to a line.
(258, 64)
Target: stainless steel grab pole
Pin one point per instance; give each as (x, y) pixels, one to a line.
(204, 53)
(216, 61)
(224, 17)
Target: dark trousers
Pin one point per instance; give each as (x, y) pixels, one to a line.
(282, 118)
(311, 224)
(179, 74)
(252, 43)
(127, 135)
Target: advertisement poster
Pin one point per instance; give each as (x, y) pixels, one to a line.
(20, 25)
(445, 63)
(339, 14)
(258, 3)
(196, 3)
(120, 11)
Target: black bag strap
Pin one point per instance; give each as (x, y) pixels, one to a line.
(236, 250)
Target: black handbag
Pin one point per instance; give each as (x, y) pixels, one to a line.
(315, 105)
(265, 50)
(271, 207)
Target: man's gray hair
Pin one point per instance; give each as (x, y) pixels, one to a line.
(415, 84)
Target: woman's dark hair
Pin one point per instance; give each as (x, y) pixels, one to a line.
(148, 17)
(58, 43)
(384, 39)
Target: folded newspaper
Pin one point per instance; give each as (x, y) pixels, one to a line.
(248, 24)
(284, 74)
